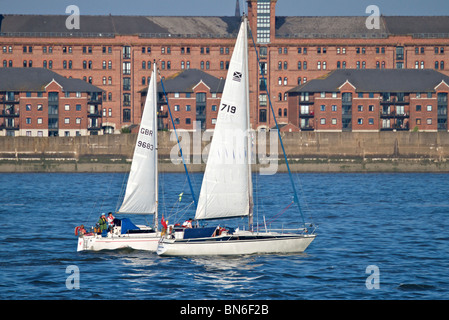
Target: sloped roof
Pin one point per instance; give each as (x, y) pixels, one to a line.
(186, 80)
(325, 26)
(121, 25)
(291, 26)
(377, 80)
(35, 80)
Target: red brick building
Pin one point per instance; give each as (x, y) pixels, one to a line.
(372, 100)
(38, 102)
(115, 52)
(194, 97)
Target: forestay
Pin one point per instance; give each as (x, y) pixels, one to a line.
(226, 190)
(141, 190)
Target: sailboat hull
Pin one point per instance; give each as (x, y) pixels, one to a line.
(136, 242)
(248, 243)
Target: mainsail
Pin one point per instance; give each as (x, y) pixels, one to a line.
(226, 190)
(141, 196)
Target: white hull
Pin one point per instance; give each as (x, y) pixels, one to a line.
(248, 243)
(147, 242)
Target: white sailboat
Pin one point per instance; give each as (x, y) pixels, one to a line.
(141, 195)
(227, 190)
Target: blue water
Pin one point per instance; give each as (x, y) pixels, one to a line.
(396, 222)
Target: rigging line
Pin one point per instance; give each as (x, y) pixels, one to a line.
(295, 195)
(177, 138)
(280, 213)
(122, 193)
(305, 201)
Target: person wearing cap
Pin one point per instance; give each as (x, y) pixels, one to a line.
(102, 223)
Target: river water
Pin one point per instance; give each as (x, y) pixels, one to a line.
(379, 236)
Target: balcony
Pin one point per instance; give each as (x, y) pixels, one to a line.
(94, 114)
(94, 127)
(95, 100)
(306, 100)
(393, 114)
(162, 114)
(306, 114)
(9, 114)
(389, 100)
(9, 126)
(307, 128)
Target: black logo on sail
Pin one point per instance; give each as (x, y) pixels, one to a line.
(237, 76)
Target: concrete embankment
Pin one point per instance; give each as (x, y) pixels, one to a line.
(307, 152)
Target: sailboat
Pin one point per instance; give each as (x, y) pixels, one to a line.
(227, 189)
(141, 195)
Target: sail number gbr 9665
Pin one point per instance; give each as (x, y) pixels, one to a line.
(143, 144)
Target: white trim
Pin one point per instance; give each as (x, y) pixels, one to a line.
(347, 81)
(442, 81)
(201, 81)
(62, 88)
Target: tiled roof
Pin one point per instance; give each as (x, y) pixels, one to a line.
(377, 80)
(35, 80)
(186, 80)
(291, 26)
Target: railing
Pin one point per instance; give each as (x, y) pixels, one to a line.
(307, 114)
(393, 114)
(334, 35)
(6, 113)
(192, 35)
(57, 34)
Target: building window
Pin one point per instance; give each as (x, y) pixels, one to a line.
(126, 67)
(126, 115)
(126, 52)
(262, 115)
(127, 84)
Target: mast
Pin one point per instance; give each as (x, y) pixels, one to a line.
(249, 134)
(156, 212)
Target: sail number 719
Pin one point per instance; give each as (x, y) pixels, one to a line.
(228, 108)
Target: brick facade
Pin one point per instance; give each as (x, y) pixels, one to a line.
(119, 63)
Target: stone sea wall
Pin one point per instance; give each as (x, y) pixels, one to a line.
(306, 151)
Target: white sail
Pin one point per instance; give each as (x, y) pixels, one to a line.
(141, 191)
(226, 190)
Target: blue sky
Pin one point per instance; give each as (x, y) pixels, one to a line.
(225, 7)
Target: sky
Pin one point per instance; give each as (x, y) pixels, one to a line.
(225, 7)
